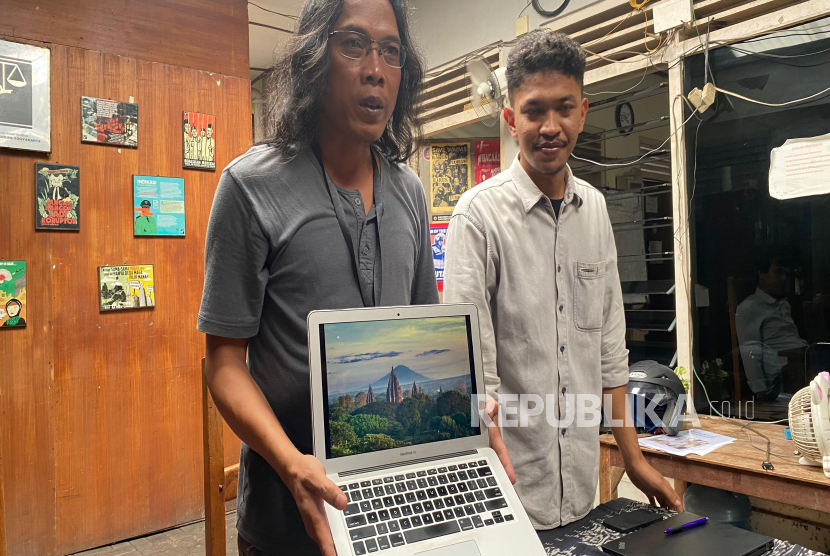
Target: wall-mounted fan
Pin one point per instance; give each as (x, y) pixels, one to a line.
(809, 414)
(488, 89)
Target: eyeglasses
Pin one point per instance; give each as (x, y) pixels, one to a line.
(356, 46)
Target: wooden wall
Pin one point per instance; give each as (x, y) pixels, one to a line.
(209, 35)
(101, 412)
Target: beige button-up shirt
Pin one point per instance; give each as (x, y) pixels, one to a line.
(552, 324)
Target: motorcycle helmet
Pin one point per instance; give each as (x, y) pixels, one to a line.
(655, 387)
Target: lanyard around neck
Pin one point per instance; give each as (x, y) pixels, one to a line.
(341, 214)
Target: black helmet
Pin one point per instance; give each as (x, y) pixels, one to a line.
(655, 386)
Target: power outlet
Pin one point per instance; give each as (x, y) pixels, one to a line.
(522, 25)
(670, 14)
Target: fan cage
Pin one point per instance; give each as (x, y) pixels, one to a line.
(801, 425)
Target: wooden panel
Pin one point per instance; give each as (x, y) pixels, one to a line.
(187, 33)
(214, 474)
(102, 421)
(231, 482)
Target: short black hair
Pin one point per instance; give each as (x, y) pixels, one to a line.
(765, 257)
(544, 50)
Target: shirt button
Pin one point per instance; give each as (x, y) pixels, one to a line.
(561, 308)
(562, 349)
(365, 250)
(564, 431)
(564, 390)
(357, 201)
(559, 268)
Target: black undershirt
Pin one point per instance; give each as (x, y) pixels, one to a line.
(557, 205)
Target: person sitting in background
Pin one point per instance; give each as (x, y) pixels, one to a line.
(765, 325)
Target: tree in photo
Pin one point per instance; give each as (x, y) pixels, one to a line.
(343, 438)
(368, 424)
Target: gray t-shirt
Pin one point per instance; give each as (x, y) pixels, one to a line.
(274, 252)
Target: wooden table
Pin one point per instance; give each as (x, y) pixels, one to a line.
(735, 467)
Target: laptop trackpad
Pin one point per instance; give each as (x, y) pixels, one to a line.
(468, 548)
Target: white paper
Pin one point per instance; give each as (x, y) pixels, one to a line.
(695, 441)
(800, 167)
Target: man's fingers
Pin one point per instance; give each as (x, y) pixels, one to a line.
(328, 491)
(320, 531)
(498, 446)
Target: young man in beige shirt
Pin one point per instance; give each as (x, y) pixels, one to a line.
(534, 250)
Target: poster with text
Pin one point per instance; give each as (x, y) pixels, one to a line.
(438, 238)
(12, 294)
(488, 160)
(25, 110)
(109, 122)
(126, 287)
(158, 206)
(57, 197)
(450, 166)
(199, 141)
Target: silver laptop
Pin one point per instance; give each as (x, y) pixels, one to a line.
(392, 391)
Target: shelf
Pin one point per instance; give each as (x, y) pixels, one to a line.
(645, 224)
(648, 257)
(649, 287)
(650, 320)
(661, 352)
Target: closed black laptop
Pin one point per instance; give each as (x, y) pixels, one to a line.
(706, 540)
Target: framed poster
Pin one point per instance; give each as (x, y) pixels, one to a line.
(25, 112)
(12, 294)
(109, 122)
(488, 160)
(438, 238)
(57, 197)
(451, 174)
(158, 205)
(126, 287)
(199, 141)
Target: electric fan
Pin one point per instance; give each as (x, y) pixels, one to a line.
(809, 414)
(487, 89)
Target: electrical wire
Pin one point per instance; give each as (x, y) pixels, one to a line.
(649, 153)
(526, 7)
(273, 12)
(773, 104)
(550, 13)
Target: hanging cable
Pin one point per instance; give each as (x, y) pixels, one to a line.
(548, 13)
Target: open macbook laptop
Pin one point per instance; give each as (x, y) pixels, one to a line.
(392, 391)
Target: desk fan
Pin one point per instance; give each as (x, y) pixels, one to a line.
(809, 414)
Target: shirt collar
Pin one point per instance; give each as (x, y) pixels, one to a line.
(530, 193)
(765, 297)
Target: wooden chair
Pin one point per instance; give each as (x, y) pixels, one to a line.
(220, 481)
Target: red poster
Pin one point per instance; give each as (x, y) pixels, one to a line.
(488, 160)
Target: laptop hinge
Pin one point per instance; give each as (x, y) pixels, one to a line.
(405, 463)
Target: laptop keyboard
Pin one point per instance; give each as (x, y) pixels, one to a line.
(400, 509)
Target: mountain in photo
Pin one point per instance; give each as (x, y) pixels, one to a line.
(406, 377)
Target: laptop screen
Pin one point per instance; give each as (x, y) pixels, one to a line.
(395, 383)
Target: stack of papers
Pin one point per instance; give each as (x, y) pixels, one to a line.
(694, 441)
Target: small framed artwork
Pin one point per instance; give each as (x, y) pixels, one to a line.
(126, 287)
(25, 111)
(199, 141)
(12, 294)
(158, 206)
(109, 122)
(57, 197)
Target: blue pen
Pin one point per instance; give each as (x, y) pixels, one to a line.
(695, 523)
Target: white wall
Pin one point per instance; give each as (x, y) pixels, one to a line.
(447, 29)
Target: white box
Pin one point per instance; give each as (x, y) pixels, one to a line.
(670, 14)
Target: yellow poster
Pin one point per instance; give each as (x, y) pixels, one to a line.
(451, 174)
(126, 287)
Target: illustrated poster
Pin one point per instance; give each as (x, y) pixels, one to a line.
(12, 294)
(488, 159)
(158, 206)
(450, 166)
(199, 141)
(109, 122)
(25, 111)
(438, 238)
(126, 287)
(57, 197)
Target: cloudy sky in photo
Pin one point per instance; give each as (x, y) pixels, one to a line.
(360, 353)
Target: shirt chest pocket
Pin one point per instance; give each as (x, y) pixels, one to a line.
(589, 294)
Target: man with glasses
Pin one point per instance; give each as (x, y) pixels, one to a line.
(324, 215)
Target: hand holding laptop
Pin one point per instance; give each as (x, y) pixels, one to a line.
(496, 441)
(307, 481)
